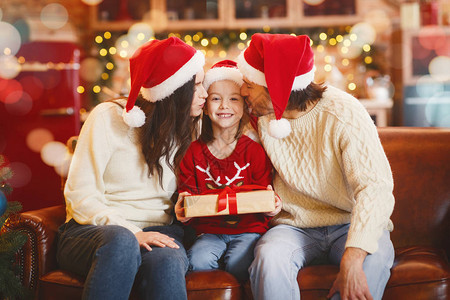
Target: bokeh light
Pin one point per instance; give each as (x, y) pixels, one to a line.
(54, 153)
(439, 68)
(313, 2)
(91, 69)
(54, 16)
(437, 110)
(7, 87)
(139, 34)
(10, 40)
(426, 87)
(22, 174)
(9, 67)
(22, 106)
(37, 138)
(364, 32)
(92, 2)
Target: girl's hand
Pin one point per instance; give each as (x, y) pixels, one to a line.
(278, 204)
(153, 238)
(179, 207)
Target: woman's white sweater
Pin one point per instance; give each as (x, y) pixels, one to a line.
(108, 181)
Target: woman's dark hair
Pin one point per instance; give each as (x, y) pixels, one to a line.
(299, 100)
(168, 127)
(207, 135)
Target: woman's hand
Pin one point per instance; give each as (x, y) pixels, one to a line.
(278, 204)
(179, 207)
(153, 238)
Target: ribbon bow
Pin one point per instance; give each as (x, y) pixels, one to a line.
(228, 195)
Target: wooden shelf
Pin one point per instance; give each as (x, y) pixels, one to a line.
(161, 20)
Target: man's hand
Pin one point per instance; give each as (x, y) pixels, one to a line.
(351, 281)
(153, 238)
(278, 204)
(179, 207)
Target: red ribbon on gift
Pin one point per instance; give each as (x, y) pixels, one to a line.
(228, 195)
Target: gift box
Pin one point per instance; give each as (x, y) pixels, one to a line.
(229, 202)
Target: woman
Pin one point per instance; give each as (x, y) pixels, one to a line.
(119, 228)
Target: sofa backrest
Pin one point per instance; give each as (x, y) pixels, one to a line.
(420, 162)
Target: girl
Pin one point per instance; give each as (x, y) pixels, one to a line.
(224, 157)
(119, 227)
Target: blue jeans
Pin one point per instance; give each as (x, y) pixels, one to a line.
(111, 260)
(234, 251)
(284, 250)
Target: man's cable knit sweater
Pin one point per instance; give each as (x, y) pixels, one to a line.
(332, 170)
(108, 182)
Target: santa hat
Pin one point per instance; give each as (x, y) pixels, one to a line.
(282, 63)
(223, 70)
(157, 69)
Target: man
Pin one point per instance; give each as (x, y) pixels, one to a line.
(331, 174)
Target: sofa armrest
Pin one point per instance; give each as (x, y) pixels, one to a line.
(38, 255)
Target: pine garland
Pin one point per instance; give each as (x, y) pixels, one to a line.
(10, 242)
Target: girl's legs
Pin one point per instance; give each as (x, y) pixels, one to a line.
(206, 252)
(239, 254)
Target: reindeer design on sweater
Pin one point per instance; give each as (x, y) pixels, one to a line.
(217, 184)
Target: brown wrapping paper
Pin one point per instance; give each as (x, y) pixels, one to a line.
(247, 202)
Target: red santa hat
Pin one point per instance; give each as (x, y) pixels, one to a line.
(223, 70)
(282, 63)
(157, 69)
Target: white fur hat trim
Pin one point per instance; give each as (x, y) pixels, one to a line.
(180, 77)
(251, 73)
(134, 118)
(222, 73)
(279, 128)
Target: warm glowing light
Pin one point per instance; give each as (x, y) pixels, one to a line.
(204, 42)
(214, 40)
(327, 68)
(187, 38)
(80, 89)
(345, 62)
(110, 66)
(190, 43)
(112, 50)
(243, 36)
(196, 38)
(323, 36)
(368, 59)
(266, 28)
(222, 54)
(351, 86)
(366, 47)
(332, 42)
(107, 35)
(210, 53)
(105, 76)
(98, 39)
(96, 89)
(339, 38)
(350, 77)
(241, 46)
(103, 52)
(320, 48)
(328, 59)
(37, 138)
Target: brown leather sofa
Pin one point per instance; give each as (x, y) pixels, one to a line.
(420, 161)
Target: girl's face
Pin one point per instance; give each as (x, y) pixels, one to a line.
(224, 105)
(200, 95)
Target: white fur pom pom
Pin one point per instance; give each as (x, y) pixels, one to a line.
(279, 128)
(134, 118)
